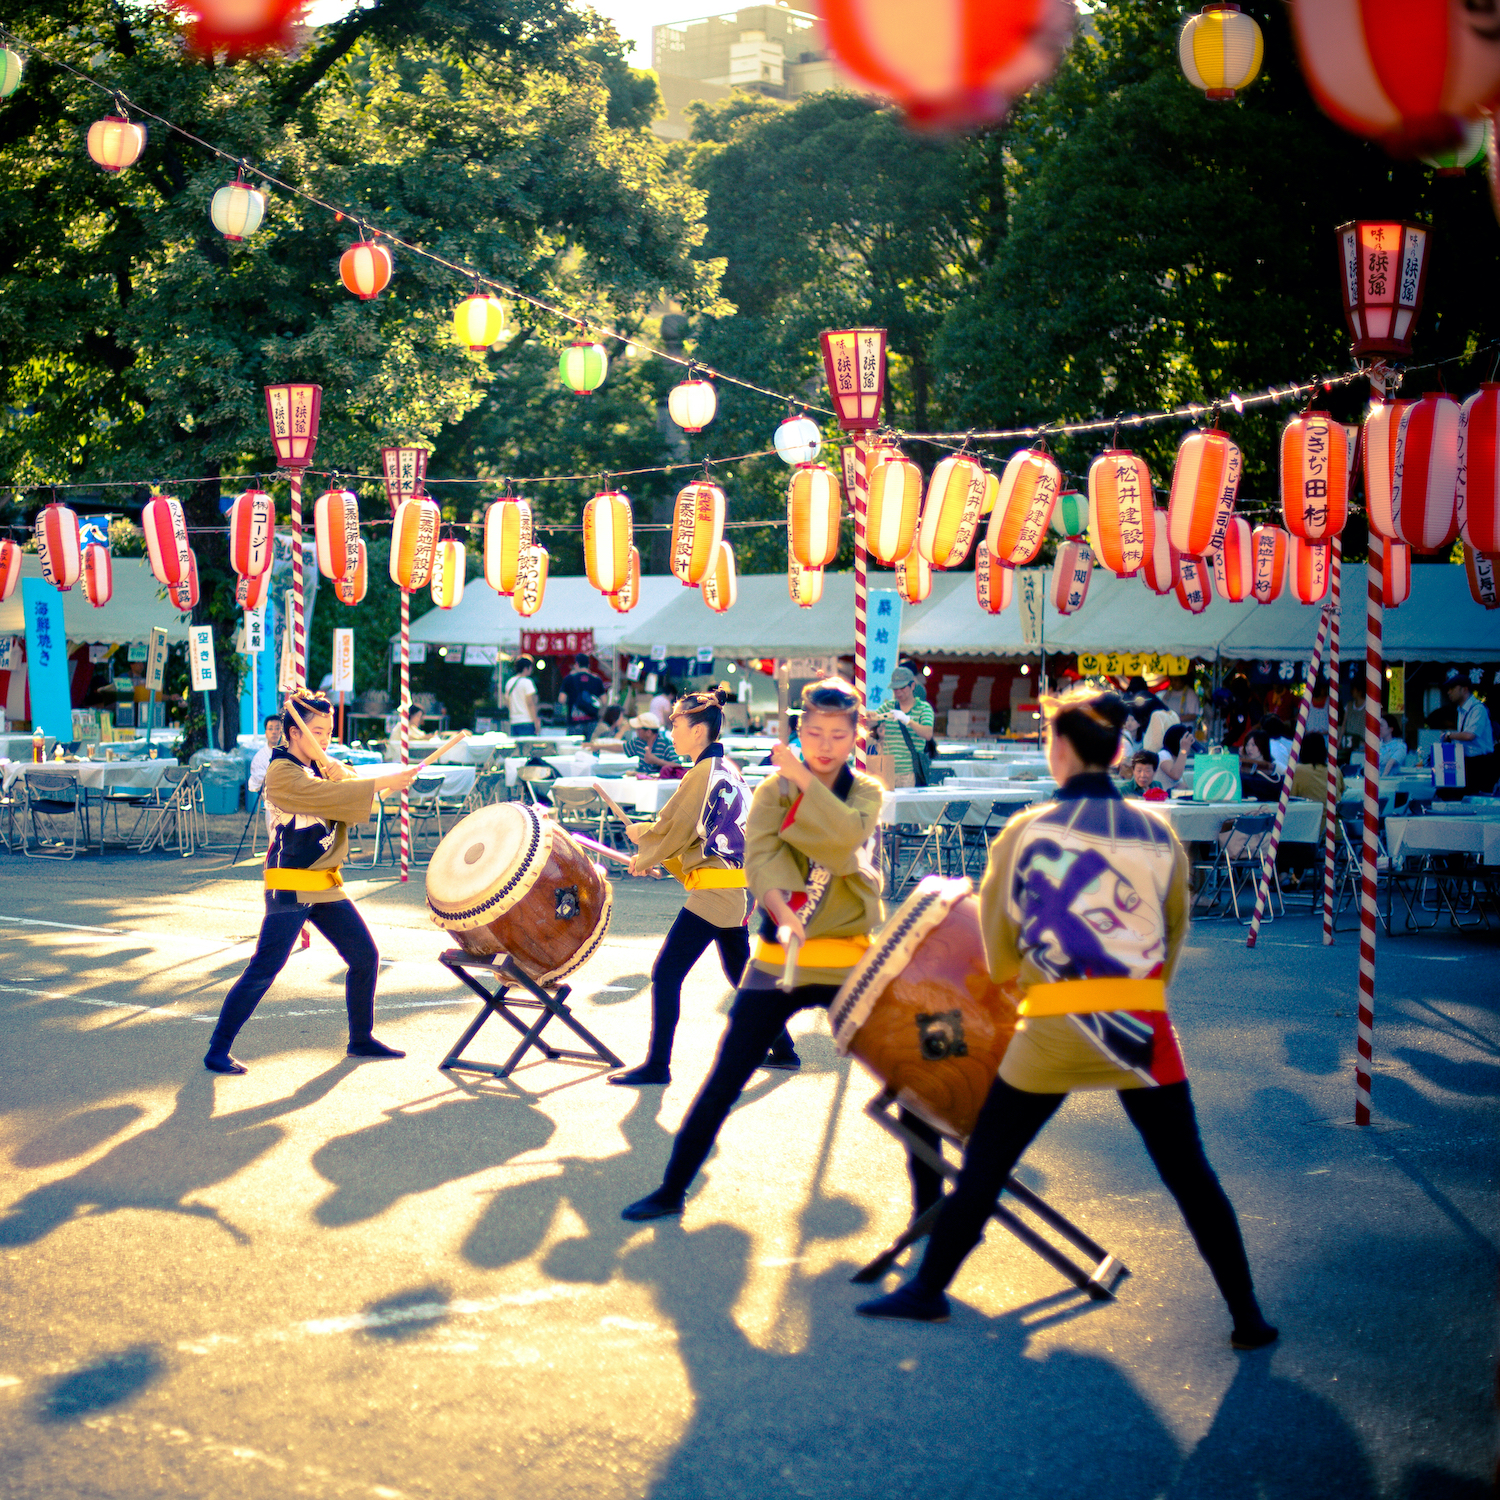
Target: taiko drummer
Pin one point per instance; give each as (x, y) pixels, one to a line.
(1085, 902)
(311, 802)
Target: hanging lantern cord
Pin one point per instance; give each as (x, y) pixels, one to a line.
(1114, 437)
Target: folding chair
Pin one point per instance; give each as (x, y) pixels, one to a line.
(581, 809)
(423, 802)
(1242, 852)
(53, 795)
(536, 783)
(489, 786)
(176, 817)
(9, 802)
(141, 800)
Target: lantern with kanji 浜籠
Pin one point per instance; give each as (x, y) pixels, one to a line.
(812, 514)
(1384, 280)
(1269, 546)
(1307, 570)
(1205, 481)
(449, 565)
(507, 534)
(167, 543)
(719, 584)
(336, 527)
(10, 569)
(185, 593)
(1480, 569)
(1220, 50)
(366, 269)
(1121, 513)
(252, 527)
(697, 528)
(994, 583)
(913, 577)
(531, 581)
(607, 539)
(628, 595)
(804, 586)
(1479, 470)
(58, 545)
(1395, 574)
(893, 505)
(1314, 476)
(98, 574)
(1424, 495)
(1023, 508)
(1378, 442)
(1070, 577)
(350, 590)
(854, 367)
(1234, 562)
(1191, 583)
(414, 539)
(1159, 564)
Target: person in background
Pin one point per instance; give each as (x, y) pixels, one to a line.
(1260, 781)
(661, 704)
(1155, 719)
(1309, 780)
(1182, 699)
(912, 715)
(521, 701)
(582, 693)
(1280, 741)
(1317, 712)
(608, 727)
(919, 681)
(1142, 773)
(414, 718)
(643, 741)
(1171, 764)
(262, 759)
(1474, 732)
(1392, 745)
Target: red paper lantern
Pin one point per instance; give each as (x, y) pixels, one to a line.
(240, 26)
(1395, 574)
(697, 528)
(414, 539)
(10, 569)
(1070, 577)
(994, 583)
(1159, 565)
(366, 269)
(507, 534)
(57, 545)
(1191, 583)
(1205, 481)
(892, 506)
(720, 587)
(1378, 440)
(1479, 569)
(252, 527)
(1314, 476)
(98, 575)
(625, 599)
(336, 527)
(1234, 562)
(1270, 545)
(250, 594)
(185, 592)
(607, 531)
(1121, 514)
(1424, 497)
(351, 589)
(812, 515)
(1029, 488)
(167, 544)
(1307, 570)
(1479, 470)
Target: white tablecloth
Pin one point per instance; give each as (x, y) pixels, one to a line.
(1194, 821)
(607, 765)
(999, 769)
(643, 796)
(458, 781)
(1437, 834)
(96, 775)
(922, 805)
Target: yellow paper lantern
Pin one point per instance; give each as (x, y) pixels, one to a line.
(531, 581)
(623, 600)
(448, 569)
(812, 514)
(607, 533)
(697, 528)
(804, 585)
(115, 142)
(479, 322)
(507, 534)
(414, 539)
(1220, 51)
(1029, 488)
(892, 506)
(913, 577)
(719, 584)
(993, 581)
(950, 513)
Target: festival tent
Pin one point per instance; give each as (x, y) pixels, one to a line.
(138, 602)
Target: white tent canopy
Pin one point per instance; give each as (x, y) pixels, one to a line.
(136, 604)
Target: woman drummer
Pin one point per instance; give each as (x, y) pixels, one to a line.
(1085, 900)
(700, 837)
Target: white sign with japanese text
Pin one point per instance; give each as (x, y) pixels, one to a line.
(201, 659)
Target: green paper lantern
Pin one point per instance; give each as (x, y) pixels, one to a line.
(1457, 160)
(1070, 516)
(583, 367)
(10, 72)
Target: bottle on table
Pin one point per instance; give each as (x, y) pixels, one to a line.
(38, 746)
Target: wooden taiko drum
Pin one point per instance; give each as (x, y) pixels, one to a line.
(504, 880)
(921, 1012)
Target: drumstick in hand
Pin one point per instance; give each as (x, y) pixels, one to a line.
(445, 747)
(612, 805)
(792, 943)
(324, 764)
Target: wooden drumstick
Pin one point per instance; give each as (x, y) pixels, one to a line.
(612, 805)
(444, 748)
(324, 763)
(594, 844)
(792, 943)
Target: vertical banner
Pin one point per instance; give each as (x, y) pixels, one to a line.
(343, 661)
(286, 676)
(47, 659)
(205, 676)
(255, 631)
(156, 660)
(884, 644)
(1030, 597)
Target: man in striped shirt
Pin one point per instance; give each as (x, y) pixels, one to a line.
(912, 714)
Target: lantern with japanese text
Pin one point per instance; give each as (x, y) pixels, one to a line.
(236, 210)
(913, 577)
(414, 539)
(1314, 476)
(1395, 574)
(1159, 562)
(404, 471)
(950, 513)
(719, 585)
(1424, 497)
(854, 366)
(1479, 470)
(507, 533)
(812, 514)
(1382, 426)
(1234, 562)
(893, 505)
(803, 585)
(1023, 509)
(1406, 75)
(797, 440)
(251, 593)
(292, 412)
(607, 532)
(11, 68)
(98, 575)
(1385, 276)
(1220, 50)
(697, 528)
(10, 569)
(58, 546)
(1270, 545)
(1307, 570)
(184, 593)
(252, 526)
(994, 583)
(1479, 568)
(336, 527)
(1070, 516)
(1191, 583)
(1121, 513)
(350, 590)
(449, 565)
(1205, 481)
(167, 543)
(241, 26)
(625, 598)
(531, 581)
(366, 269)
(583, 366)
(1070, 577)
(478, 322)
(692, 404)
(115, 143)
(991, 495)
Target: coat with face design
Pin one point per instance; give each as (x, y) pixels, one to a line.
(310, 815)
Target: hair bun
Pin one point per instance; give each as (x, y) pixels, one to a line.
(722, 694)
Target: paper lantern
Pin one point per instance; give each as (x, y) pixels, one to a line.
(1070, 515)
(1270, 545)
(1234, 562)
(252, 528)
(893, 506)
(184, 593)
(1454, 161)
(812, 514)
(10, 569)
(1070, 577)
(1395, 574)
(241, 26)
(1191, 583)
(414, 539)
(1205, 481)
(797, 440)
(625, 599)
(1478, 504)
(959, 64)
(404, 471)
(1405, 74)
(292, 412)
(531, 581)
(1023, 507)
(236, 210)
(1314, 476)
(1307, 570)
(167, 543)
(449, 566)
(804, 585)
(1479, 569)
(994, 583)
(913, 577)
(607, 531)
(1121, 514)
(1159, 562)
(1378, 440)
(1220, 50)
(719, 586)
(11, 68)
(1385, 277)
(58, 546)
(854, 366)
(336, 527)
(950, 513)
(114, 143)
(507, 534)
(692, 404)
(1424, 496)
(478, 322)
(583, 367)
(991, 495)
(98, 575)
(350, 590)
(366, 269)
(250, 594)
(697, 528)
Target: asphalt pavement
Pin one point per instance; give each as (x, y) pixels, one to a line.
(340, 1278)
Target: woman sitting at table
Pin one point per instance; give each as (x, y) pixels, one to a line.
(1392, 745)
(643, 743)
(608, 727)
(1259, 778)
(1171, 764)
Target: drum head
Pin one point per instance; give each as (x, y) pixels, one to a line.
(486, 864)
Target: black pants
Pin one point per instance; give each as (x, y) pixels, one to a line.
(759, 1013)
(688, 939)
(1010, 1121)
(338, 921)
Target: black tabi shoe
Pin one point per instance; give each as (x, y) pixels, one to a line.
(645, 1074)
(1253, 1335)
(658, 1205)
(371, 1048)
(222, 1062)
(912, 1302)
(783, 1062)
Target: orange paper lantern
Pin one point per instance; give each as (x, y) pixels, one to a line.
(531, 581)
(414, 539)
(449, 565)
(1205, 481)
(950, 513)
(252, 527)
(1307, 570)
(812, 514)
(507, 533)
(719, 584)
(1120, 511)
(336, 527)
(1424, 497)
(98, 575)
(167, 544)
(58, 546)
(1395, 574)
(10, 569)
(250, 594)
(1234, 562)
(1479, 569)
(1479, 470)
(185, 593)
(1270, 546)
(1382, 425)
(1192, 587)
(994, 583)
(1029, 488)
(892, 506)
(366, 269)
(607, 532)
(1070, 577)
(804, 585)
(625, 599)
(351, 589)
(1314, 477)
(913, 577)
(1159, 565)
(697, 528)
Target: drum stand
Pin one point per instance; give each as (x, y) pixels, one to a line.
(498, 1002)
(1099, 1282)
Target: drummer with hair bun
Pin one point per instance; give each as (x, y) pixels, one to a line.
(1085, 904)
(700, 837)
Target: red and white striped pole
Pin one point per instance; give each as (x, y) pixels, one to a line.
(1268, 855)
(299, 628)
(1331, 800)
(1370, 847)
(858, 497)
(405, 707)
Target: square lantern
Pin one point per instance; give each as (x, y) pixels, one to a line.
(854, 361)
(1384, 275)
(293, 412)
(405, 471)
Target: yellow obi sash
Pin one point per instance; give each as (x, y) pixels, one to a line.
(707, 878)
(817, 953)
(303, 880)
(1073, 997)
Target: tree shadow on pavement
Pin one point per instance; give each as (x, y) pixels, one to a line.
(76, 1136)
(109, 1380)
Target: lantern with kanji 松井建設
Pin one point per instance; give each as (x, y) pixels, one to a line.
(351, 589)
(252, 527)
(1220, 50)
(719, 585)
(185, 592)
(1070, 515)
(366, 269)
(507, 533)
(1205, 481)
(628, 595)
(583, 367)
(892, 505)
(803, 585)
(607, 534)
(1070, 577)
(1234, 562)
(1479, 568)
(336, 527)
(1395, 574)
(1159, 563)
(1191, 585)
(812, 514)
(167, 543)
(697, 528)
(10, 569)
(449, 565)
(1121, 513)
(1269, 546)
(1307, 570)
(692, 404)
(531, 581)
(994, 583)
(98, 575)
(1314, 476)
(414, 539)
(1023, 507)
(479, 322)
(250, 594)
(1424, 496)
(913, 577)
(58, 546)
(1479, 470)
